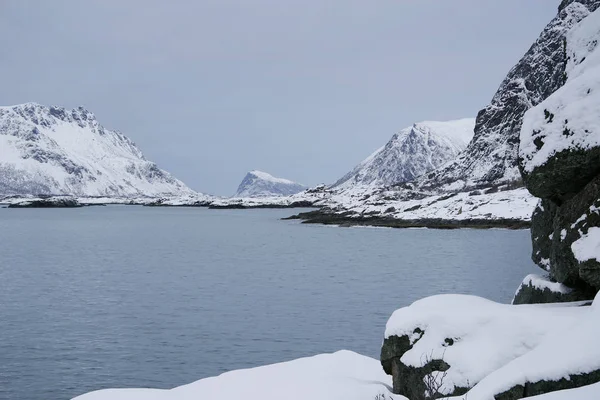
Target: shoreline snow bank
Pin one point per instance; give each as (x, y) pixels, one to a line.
(343, 375)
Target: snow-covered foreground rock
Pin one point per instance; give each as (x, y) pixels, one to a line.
(567, 357)
(54, 151)
(339, 376)
(262, 184)
(412, 152)
(459, 340)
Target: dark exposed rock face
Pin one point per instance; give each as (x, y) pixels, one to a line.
(531, 294)
(541, 387)
(573, 220)
(542, 231)
(564, 175)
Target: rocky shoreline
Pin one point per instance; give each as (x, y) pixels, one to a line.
(348, 220)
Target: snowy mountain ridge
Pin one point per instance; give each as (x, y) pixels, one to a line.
(261, 184)
(411, 153)
(491, 158)
(52, 150)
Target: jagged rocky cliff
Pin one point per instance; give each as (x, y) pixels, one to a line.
(411, 153)
(491, 157)
(262, 184)
(560, 162)
(52, 150)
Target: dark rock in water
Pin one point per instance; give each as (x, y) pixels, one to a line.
(574, 219)
(550, 292)
(564, 174)
(47, 203)
(542, 230)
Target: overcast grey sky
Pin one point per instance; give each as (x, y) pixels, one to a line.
(303, 89)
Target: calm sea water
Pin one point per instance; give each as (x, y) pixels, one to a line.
(158, 297)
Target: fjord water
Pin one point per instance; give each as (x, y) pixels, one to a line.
(128, 296)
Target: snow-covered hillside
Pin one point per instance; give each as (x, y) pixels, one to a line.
(411, 153)
(262, 184)
(51, 150)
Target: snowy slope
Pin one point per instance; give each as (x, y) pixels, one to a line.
(339, 376)
(51, 150)
(516, 204)
(262, 184)
(411, 153)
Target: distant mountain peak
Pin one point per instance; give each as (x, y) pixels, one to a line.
(262, 184)
(411, 153)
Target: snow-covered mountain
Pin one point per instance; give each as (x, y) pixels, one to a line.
(262, 184)
(51, 150)
(412, 152)
(491, 157)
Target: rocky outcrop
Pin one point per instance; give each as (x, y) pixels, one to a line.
(542, 231)
(559, 158)
(537, 290)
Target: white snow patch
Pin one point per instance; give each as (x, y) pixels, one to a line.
(343, 375)
(587, 247)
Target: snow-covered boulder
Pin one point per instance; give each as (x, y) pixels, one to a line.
(262, 184)
(567, 357)
(54, 151)
(537, 289)
(455, 341)
(412, 152)
(339, 376)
